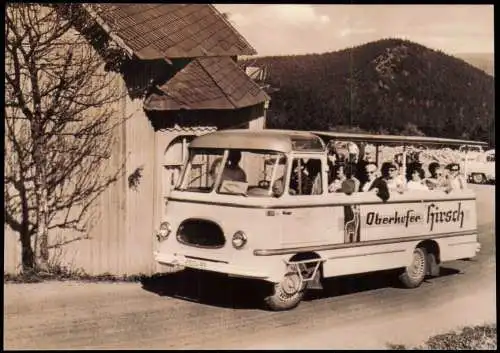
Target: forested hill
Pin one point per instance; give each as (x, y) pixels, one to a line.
(388, 86)
(483, 61)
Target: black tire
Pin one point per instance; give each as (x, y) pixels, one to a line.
(282, 297)
(432, 265)
(478, 178)
(414, 274)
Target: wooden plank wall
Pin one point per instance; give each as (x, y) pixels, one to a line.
(121, 242)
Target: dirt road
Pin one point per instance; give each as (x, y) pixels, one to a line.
(359, 312)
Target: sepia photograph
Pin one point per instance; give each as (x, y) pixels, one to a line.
(249, 176)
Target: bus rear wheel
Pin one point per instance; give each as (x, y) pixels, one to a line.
(287, 294)
(414, 274)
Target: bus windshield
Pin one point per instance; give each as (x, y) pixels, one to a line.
(232, 171)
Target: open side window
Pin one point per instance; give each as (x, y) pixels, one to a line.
(306, 177)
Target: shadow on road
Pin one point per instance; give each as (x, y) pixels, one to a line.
(352, 284)
(205, 288)
(218, 290)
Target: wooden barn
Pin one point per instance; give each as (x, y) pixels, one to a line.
(182, 80)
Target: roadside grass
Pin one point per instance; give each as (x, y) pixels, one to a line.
(63, 273)
(482, 337)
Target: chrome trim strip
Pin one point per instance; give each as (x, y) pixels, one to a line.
(204, 259)
(226, 204)
(284, 251)
(366, 254)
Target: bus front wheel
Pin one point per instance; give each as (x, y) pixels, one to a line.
(287, 294)
(414, 274)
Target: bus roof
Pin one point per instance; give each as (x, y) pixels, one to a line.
(308, 141)
(394, 139)
(268, 140)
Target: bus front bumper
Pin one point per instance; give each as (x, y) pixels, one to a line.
(208, 265)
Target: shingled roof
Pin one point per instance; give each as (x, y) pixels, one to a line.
(207, 83)
(155, 31)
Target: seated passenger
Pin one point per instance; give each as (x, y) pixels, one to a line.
(338, 179)
(417, 180)
(455, 180)
(398, 160)
(437, 179)
(413, 162)
(374, 183)
(332, 155)
(353, 151)
(350, 172)
(344, 180)
(394, 181)
(232, 170)
(368, 157)
(313, 168)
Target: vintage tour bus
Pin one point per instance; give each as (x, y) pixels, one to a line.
(259, 204)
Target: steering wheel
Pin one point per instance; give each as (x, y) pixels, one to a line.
(263, 184)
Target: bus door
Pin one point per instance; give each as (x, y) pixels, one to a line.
(308, 217)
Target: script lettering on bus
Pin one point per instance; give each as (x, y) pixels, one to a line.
(434, 216)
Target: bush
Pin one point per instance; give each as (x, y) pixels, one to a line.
(476, 337)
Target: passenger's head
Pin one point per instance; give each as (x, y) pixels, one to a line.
(313, 166)
(339, 171)
(398, 159)
(369, 157)
(454, 169)
(417, 174)
(234, 157)
(434, 167)
(371, 171)
(389, 170)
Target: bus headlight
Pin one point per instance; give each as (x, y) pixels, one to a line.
(239, 239)
(164, 231)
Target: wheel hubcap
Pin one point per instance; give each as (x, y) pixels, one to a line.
(291, 284)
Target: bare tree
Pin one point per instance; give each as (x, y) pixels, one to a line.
(61, 112)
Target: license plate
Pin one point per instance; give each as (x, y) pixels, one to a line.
(195, 264)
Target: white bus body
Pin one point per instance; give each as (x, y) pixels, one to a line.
(290, 240)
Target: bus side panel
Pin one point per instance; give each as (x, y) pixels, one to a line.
(306, 226)
(413, 219)
(461, 247)
(451, 223)
(367, 258)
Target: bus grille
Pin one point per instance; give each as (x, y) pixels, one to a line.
(200, 233)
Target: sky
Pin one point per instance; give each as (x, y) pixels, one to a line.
(286, 29)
